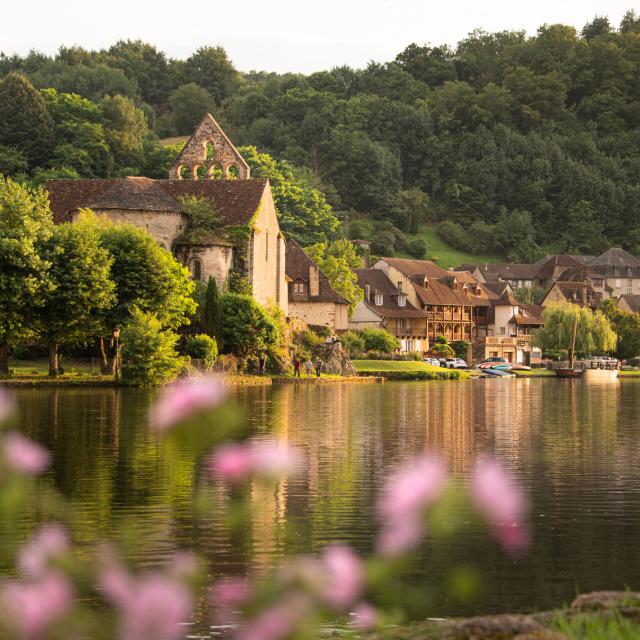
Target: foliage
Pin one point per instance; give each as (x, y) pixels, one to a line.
(336, 261)
(25, 123)
(247, 329)
(147, 277)
(149, 356)
(303, 211)
(189, 103)
(529, 295)
(25, 223)
(210, 68)
(203, 348)
(461, 348)
(627, 328)
(594, 333)
(82, 290)
(125, 129)
(417, 248)
(204, 220)
(416, 206)
(213, 311)
(443, 350)
(379, 340)
(352, 341)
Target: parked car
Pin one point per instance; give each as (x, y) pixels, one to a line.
(455, 363)
(432, 361)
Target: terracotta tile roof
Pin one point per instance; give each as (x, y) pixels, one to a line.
(236, 200)
(530, 314)
(512, 271)
(297, 264)
(507, 299)
(464, 276)
(380, 284)
(416, 267)
(438, 293)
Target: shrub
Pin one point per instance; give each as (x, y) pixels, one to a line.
(461, 348)
(417, 248)
(203, 348)
(352, 341)
(149, 357)
(455, 235)
(379, 340)
(442, 350)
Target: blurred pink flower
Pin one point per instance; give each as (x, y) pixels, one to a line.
(237, 462)
(277, 621)
(30, 608)
(406, 496)
(364, 616)
(150, 607)
(24, 456)
(232, 462)
(181, 400)
(48, 543)
(500, 501)
(345, 576)
(6, 405)
(227, 595)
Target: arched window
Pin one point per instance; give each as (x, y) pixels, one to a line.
(233, 173)
(201, 172)
(184, 173)
(196, 269)
(209, 150)
(216, 172)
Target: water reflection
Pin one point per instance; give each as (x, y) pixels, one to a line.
(574, 446)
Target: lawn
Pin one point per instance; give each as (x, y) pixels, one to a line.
(405, 368)
(73, 369)
(443, 254)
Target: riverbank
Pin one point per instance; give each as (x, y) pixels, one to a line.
(614, 615)
(407, 370)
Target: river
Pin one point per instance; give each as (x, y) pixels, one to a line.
(574, 447)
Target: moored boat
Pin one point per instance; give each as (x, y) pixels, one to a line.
(568, 372)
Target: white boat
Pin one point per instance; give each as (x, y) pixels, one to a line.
(601, 370)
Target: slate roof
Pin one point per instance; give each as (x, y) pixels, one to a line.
(548, 267)
(632, 300)
(507, 299)
(616, 262)
(580, 274)
(416, 267)
(380, 284)
(297, 264)
(236, 200)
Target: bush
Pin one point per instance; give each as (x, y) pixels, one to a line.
(417, 248)
(379, 340)
(149, 357)
(461, 348)
(352, 341)
(455, 235)
(203, 348)
(441, 350)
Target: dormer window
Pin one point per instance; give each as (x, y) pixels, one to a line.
(378, 299)
(402, 301)
(299, 287)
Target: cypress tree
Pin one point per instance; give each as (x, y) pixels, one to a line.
(213, 311)
(25, 123)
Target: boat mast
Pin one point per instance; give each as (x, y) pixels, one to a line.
(573, 342)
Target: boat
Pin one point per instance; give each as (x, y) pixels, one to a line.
(571, 371)
(498, 373)
(568, 372)
(601, 370)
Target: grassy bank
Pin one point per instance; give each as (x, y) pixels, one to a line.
(407, 370)
(445, 255)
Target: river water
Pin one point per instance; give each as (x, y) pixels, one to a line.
(574, 447)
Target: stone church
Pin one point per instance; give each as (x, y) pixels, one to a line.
(209, 167)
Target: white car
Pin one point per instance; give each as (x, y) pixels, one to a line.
(455, 363)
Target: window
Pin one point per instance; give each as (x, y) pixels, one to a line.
(196, 269)
(598, 282)
(502, 330)
(233, 173)
(210, 150)
(378, 299)
(402, 301)
(402, 325)
(298, 287)
(399, 286)
(630, 286)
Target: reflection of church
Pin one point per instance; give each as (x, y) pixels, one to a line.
(209, 167)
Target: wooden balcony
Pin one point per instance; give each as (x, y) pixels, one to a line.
(521, 342)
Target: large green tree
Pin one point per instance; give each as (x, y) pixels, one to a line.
(189, 103)
(82, 291)
(213, 312)
(25, 123)
(25, 224)
(627, 328)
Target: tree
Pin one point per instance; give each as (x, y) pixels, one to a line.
(213, 311)
(149, 356)
(594, 333)
(303, 211)
(189, 103)
(203, 348)
(210, 68)
(379, 340)
(146, 277)
(82, 288)
(416, 205)
(25, 224)
(25, 123)
(247, 328)
(12, 160)
(627, 328)
(337, 261)
(125, 128)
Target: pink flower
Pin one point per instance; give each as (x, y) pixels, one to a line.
(49, 542)
(6, 405)
(500, 501)
(407, 495)
(237, 462)
(345, 576)
(232, 462)
(24, 456)
(30, 608)
(151, 607)
(279, 620)
(365, 616)
(182, 400)
(227, 594)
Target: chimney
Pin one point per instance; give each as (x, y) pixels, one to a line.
(314, 281)
(426, 282)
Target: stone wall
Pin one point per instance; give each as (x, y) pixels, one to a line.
(165, 227)
(215, 261)
(328, 314)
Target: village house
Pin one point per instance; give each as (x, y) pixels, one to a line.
(580, 293)
(209, 168)
(629, 303)
(621, 272)
(311, 296)
(385, 306)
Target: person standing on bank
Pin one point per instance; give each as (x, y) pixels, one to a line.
(262, 364)
(318, 367)
(308, 367)
(296, 367)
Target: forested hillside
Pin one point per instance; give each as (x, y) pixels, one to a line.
(532, 140)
